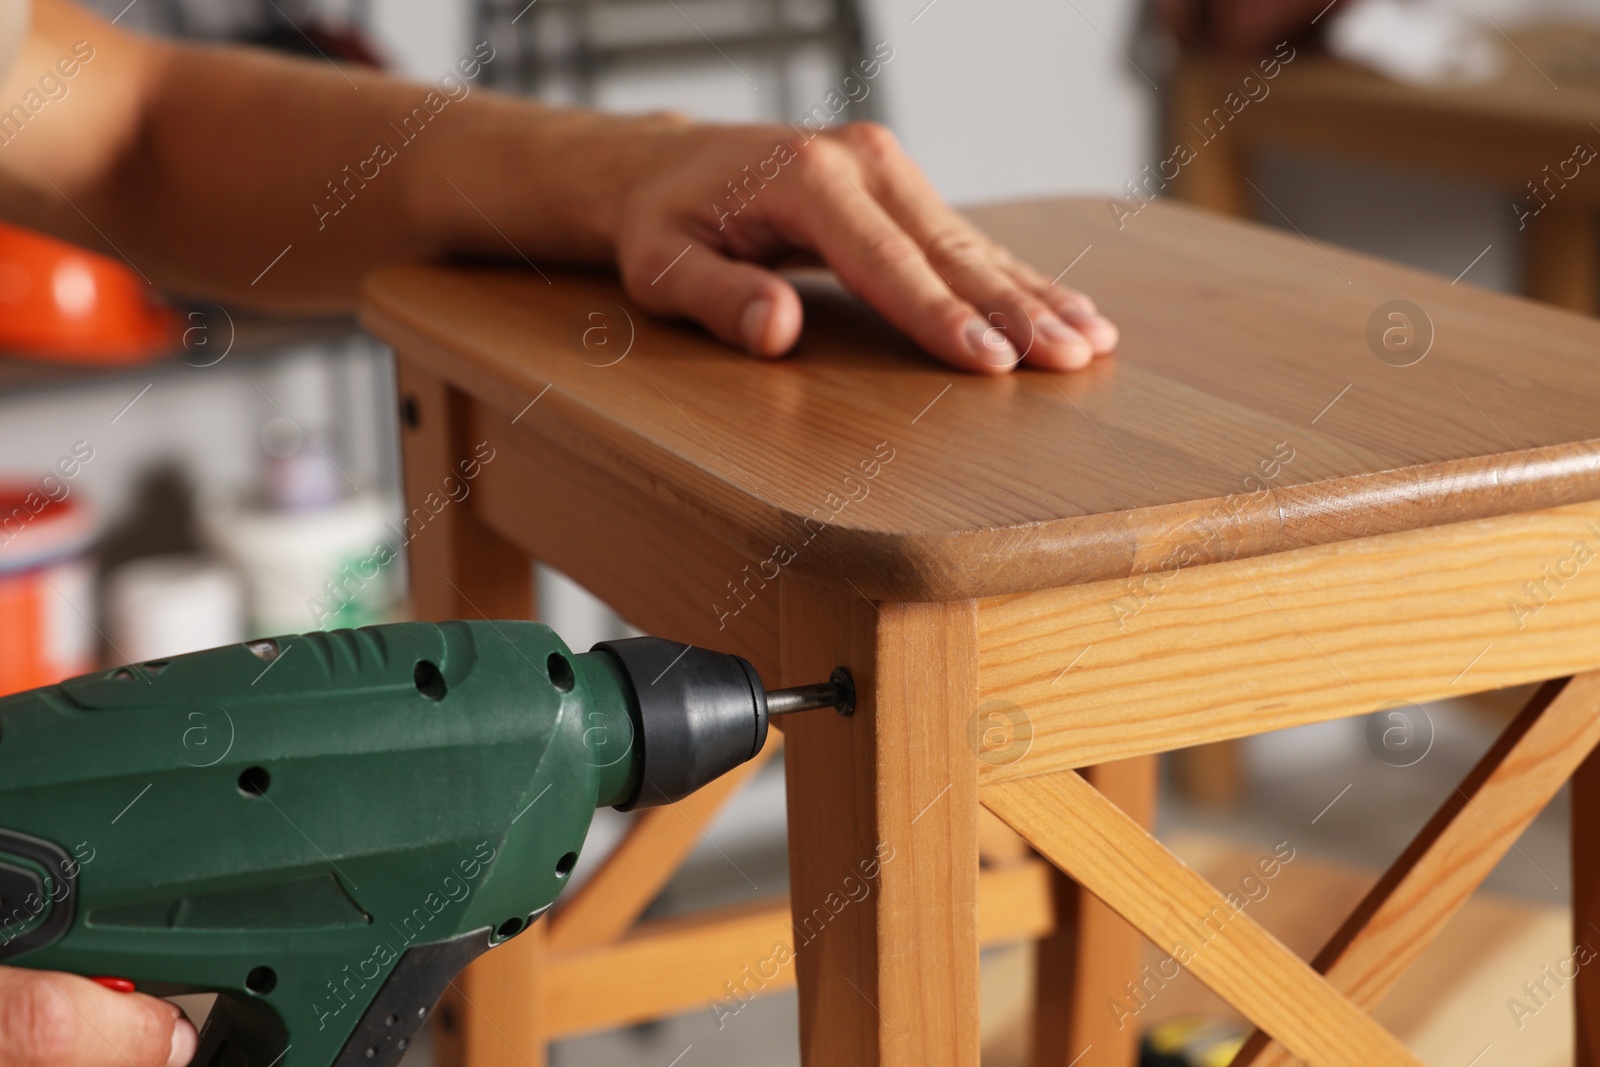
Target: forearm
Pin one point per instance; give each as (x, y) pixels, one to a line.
(232, 157)
(349, 174)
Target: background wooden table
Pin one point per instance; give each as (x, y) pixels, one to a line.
(1265, 511)
(1519, 131)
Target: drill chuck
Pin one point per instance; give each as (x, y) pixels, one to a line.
(698, 714)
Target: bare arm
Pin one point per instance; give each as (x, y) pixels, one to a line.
(202, 165)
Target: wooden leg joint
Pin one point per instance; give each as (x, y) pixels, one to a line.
(1116, 859)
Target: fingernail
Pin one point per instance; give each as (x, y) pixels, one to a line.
(1077, 350)
(1102, 333)
(989, 343)
(184, 1042)
(753, 324)
(1078, 304)
(1056, 330)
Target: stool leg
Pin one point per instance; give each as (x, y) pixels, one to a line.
(1563, 257)
(1586, 906)
(1082, 967)
(1212, 774)
(1216, 178)
(493, 1015)
(883, 832)
(494, 1012)
(460, 568)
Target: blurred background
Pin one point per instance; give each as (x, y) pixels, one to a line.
(243, 496)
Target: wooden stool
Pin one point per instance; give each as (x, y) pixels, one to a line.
(1252, 518)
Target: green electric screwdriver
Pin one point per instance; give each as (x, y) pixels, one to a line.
(325, 829)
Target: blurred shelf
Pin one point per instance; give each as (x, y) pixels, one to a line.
(252, 337)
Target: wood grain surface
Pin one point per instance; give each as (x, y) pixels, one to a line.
(1448, 1006)
(1245, 413)
(1092, 950)
(883, 832)
(1094, 673)
(675, 583)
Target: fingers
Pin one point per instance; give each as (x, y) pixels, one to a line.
(745, 305)
(1057, 328)
(1042, 337)
(879, 262)
(852, 197)
(61, 1020)
(1077, 309)
(968, 260)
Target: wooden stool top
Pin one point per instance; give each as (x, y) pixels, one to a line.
(1247, 411)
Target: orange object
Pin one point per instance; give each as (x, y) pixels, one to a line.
(46, 587)
(62, 302)
(116, 985)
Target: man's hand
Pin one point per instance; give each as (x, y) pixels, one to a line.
(711, 203)
(240, 176)
(61, 1020)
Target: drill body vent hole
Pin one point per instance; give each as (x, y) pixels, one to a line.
(261, 981)
(560, 672)
(428, 680)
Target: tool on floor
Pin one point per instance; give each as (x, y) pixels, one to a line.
(1191, 1041)
(325, 829)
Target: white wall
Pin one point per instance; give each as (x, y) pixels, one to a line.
(421, 38)
(1000, 98)
(1013, 98)
(1426, 221)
